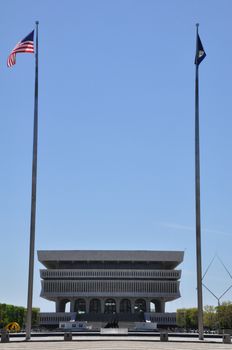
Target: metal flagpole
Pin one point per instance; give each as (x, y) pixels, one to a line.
(33, 198)
(198, 202)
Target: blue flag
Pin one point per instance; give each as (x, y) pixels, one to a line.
(200, 52)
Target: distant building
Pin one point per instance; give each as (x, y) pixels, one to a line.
(102, 285)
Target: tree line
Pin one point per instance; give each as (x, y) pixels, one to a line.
(215, 317)
(12, 313)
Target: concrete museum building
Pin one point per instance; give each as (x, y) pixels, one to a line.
(106, 285)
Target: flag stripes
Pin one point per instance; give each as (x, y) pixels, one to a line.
(24, 46)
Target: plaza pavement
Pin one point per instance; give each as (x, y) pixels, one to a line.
(112, 343)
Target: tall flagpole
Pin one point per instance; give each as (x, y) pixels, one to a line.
(198, 201)
(33, 198)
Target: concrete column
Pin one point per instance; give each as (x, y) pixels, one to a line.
(160, 306)
(102, 301)
(72, 305)
(60, 306)
(117, 305)
(157, 306)
(132, 306)
(147, 305)
(87, 301)
(57, 305)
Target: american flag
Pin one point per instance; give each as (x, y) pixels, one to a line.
(26, 46)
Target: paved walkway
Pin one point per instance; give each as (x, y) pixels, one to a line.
(110, 343)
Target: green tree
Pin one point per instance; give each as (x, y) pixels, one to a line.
(192, 318)
(214, 317)
(11, 313)
(35, 316)
(210, 317)
(224, 314)
(187, 318)
(181, 318)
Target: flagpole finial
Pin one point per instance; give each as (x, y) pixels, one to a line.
(197, 25)
(36, 22)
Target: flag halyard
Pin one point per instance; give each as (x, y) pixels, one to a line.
(24, 46)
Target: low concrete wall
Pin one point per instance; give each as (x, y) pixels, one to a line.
(114, 331)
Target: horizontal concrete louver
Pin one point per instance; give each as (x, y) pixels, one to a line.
(110, 286)
(57, 274)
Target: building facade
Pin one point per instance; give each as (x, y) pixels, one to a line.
(101, 285)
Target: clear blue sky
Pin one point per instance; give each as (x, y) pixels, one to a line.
(116, 134)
